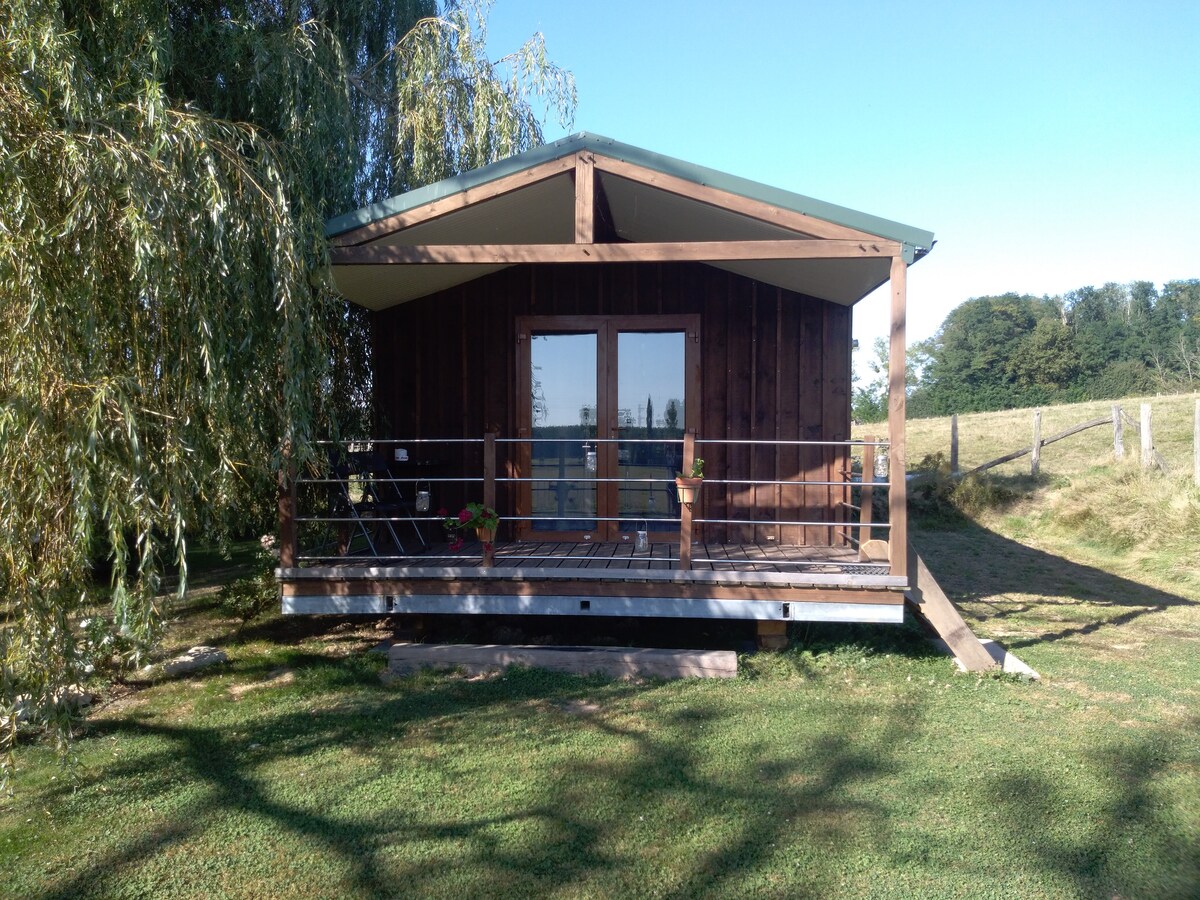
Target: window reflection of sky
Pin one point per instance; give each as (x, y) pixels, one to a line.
(564, 370)
(650, 365)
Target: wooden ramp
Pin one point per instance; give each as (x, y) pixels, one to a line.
(933, 607)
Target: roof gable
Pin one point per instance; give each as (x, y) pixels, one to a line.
(531, 201)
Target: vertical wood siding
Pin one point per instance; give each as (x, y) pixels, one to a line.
(776, 365)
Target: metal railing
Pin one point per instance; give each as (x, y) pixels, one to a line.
(370, 497)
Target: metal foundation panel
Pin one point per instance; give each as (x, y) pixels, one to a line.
(648, 607)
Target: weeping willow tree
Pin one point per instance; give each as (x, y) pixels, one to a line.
(167, 330)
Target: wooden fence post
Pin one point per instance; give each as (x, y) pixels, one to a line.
(1147, 438)
(1196, 446)
(1118, 433)
(954, 443)
(1035, 456)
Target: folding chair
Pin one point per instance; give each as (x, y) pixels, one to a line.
(345, 509)
(370, 514)
(391, 501)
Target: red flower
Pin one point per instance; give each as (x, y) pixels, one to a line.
(465, 516)
(457, 545)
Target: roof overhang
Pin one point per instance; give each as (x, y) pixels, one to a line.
(586, 200)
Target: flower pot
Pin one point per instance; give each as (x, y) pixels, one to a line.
(688, 489)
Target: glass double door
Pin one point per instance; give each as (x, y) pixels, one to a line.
(606, 403)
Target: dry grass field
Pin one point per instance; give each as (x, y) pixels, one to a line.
(986, 436)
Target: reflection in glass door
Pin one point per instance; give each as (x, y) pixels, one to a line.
(605, 399)
(563, 428)
(650, 423)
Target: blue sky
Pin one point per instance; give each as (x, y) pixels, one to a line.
(1047, 145)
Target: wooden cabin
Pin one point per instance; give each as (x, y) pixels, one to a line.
(561, 333)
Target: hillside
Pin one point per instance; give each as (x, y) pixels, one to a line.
(1089, 535)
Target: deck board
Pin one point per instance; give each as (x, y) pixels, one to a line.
(512, 556)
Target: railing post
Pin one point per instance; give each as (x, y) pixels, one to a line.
(846, 467)
(1118, 433)
(685, 511)
(489, 492)
(866, 491)
(489, 469)
(287, 510)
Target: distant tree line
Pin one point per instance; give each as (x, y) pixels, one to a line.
(1012, 350)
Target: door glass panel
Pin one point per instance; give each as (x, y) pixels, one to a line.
(650, 407)
(563, 377)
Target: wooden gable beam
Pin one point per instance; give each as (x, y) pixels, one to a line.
(435, 209)
(585, 198)
(606, 228)
(672, 251)
(755, 209)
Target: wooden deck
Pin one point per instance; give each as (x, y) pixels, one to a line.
(727, 581)
(563, 555)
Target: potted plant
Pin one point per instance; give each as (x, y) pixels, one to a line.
(477, 517)
(687, 487)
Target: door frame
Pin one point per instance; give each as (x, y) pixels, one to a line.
(606, 329)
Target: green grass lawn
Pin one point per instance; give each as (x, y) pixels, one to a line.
(857, 764)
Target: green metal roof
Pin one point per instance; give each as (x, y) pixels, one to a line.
(917, 241)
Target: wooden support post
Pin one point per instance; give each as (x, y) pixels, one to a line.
(897, 489)
(1147, 438)
(867, 491)
(1196, 446)
(287, 510)
(927, 599)
(954, 444)
(1118, 433)
(685, 511)
(1035, 456)
(685, 537)
(772, 634)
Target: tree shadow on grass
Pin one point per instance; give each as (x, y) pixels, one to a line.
(368, 790)
(585, 812)
(1135, 847)
(811, 792)
(976, 565)
(224, 765)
